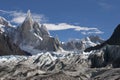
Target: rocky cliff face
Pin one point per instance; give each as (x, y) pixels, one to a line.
(33, 34)
(30, 35)
(113, 40)
(106, 53)
(7, 47)
(109, 55)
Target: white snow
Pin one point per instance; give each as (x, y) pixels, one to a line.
(2, 28)
(38, 36)
(88, 42)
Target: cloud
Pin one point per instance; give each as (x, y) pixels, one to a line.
(65, 26)
(19, 16)
(105, 5)
(97, 31)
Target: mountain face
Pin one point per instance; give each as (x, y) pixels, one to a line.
(34, 37)
(30, 35)
(82, 44)
(30, 32)
(33, 34)
(7, 47)
(113, 40)
(107, 52)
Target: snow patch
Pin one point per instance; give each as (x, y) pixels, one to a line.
(2, 28)
(38, 36)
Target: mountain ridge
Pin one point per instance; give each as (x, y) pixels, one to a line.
(113, 40)
(30, 33)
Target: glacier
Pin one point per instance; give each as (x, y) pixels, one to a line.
(29, 52)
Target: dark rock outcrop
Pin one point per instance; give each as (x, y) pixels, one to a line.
(7, 47)
(108, 56)
(113, 40)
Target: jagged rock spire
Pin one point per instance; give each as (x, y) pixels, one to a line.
(28, 17)
(28, 22)
(28, 13)
(31, 33)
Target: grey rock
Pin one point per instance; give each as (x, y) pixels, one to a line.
(33, 34)
(7, 47)
(109, 55)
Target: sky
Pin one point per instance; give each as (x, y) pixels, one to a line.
(67, 19)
